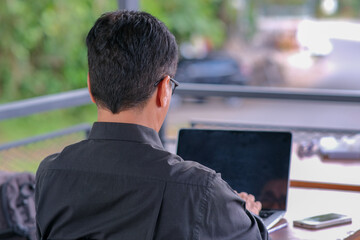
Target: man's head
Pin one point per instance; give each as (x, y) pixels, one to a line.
(128, 53)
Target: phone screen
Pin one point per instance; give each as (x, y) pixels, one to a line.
(324, 218)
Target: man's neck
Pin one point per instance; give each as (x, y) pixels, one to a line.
(133, 116)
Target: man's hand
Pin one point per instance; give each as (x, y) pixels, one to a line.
(251, 205)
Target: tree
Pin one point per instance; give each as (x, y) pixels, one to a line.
(42, 47)
(186, 18)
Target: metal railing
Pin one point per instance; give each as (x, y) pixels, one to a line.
(301, 134)
(44, 103)
(81, 97)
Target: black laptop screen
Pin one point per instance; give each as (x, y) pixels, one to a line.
(255, 162)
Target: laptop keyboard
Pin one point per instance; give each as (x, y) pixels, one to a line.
(265, 214)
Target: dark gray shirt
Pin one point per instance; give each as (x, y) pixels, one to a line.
(122, 184)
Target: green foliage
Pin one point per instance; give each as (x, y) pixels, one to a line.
(42, 47)
(347, 9)
(186, 18)
(285, 2)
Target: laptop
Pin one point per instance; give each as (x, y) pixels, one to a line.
(256, 162)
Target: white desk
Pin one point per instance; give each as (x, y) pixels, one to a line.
(315, 172)
(309, 202)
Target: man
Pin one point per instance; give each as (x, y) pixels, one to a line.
(121, 183)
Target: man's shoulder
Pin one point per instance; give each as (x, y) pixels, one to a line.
(192, 173)
(200, 175)
(52, 158)
(157, 164)
(48, 160)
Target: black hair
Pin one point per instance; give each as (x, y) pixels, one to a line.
(128, 51)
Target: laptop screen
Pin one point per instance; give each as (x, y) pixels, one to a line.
(256, 162)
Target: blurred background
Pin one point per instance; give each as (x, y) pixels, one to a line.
(294, 44)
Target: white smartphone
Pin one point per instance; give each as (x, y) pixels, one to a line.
(322, 221)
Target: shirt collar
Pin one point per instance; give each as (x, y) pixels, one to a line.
(125, 132)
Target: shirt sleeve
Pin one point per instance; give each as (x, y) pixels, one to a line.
(38, 189)
(225, 216)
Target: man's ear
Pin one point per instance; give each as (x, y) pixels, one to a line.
(164, 92)
(89, 88)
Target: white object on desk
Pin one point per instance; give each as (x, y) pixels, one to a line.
(322, 221)
(344, 148)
